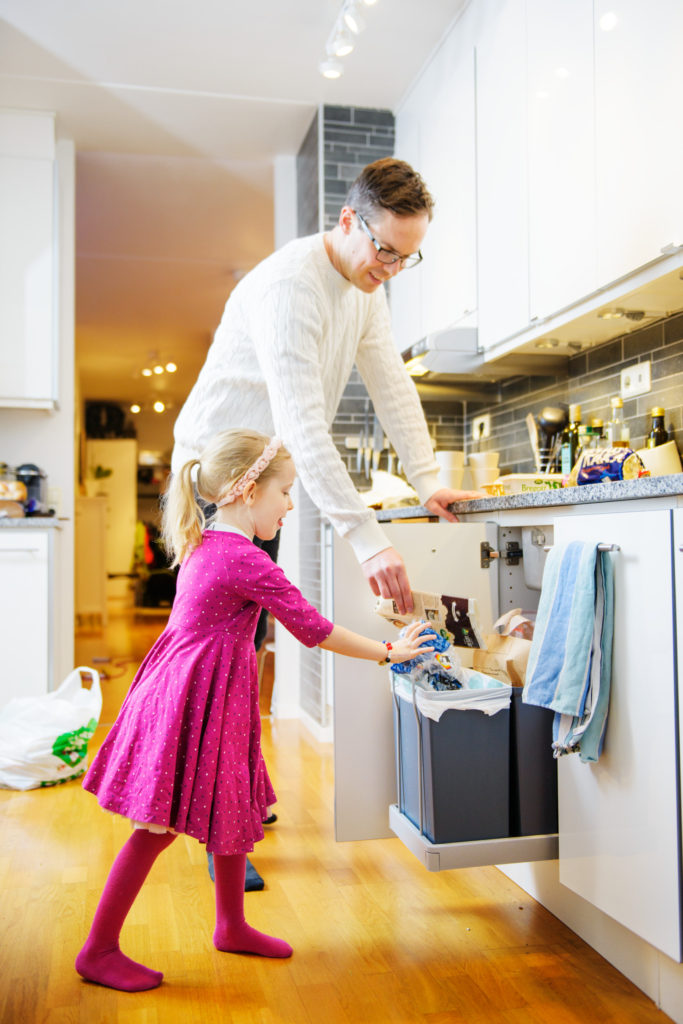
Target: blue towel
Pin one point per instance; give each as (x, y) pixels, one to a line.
(570, 662)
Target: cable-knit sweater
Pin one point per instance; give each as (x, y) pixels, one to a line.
(281, 357)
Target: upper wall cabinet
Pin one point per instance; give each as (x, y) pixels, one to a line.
(28, 356)
(435, 132)
(560, 110)
(502, 178)
(638, 91)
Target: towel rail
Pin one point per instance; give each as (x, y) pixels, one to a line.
(601, 547)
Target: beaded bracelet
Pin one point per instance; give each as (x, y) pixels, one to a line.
(387, 660)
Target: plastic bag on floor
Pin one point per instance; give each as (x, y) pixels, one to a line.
(44, 740)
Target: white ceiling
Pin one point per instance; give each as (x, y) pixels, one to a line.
(178, 111)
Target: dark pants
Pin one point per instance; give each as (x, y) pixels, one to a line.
(271, 548)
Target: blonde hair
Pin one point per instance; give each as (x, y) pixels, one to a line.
(219, 467)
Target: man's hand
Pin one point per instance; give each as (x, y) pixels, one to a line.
(440, 500)
(387, 577)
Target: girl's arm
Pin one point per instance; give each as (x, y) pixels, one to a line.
(343, 641)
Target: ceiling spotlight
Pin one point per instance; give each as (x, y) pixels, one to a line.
(171, 367)
(135, 408)
(611, 314)
(147, 372)
(608, 21)
(159, 406)
(352, 19)
(158, 369)
(342, 44)
(331, 68)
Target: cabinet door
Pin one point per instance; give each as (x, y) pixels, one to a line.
(639, 84)
(439, 557)
(406, 290)
(619, 818)
(27, 268)
(502, 207)
(120, 490)
(562, 225)
(447, 162)
(24, 613)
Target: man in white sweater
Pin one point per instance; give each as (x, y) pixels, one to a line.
(283, 352)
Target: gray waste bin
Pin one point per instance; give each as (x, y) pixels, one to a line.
(460, 763)
(533, 769)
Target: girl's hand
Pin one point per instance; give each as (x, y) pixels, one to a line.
(414, 642)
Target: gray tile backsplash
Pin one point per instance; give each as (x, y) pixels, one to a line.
(593, 377)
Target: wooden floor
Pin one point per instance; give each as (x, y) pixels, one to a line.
(376, 938)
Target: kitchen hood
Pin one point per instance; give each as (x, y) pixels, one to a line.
(651, 293)
(443, 351)
(453, 355)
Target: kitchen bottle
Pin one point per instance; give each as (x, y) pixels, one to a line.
(658, 433)
(618, 433)
(570, 440)
(597, 433)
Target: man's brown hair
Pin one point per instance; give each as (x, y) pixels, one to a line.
(389, 184)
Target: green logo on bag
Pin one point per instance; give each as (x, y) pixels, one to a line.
(72, 747)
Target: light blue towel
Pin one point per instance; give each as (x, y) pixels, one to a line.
(570, 662)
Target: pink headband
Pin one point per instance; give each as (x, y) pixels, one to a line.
(267, 455)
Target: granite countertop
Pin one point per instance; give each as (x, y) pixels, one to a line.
(32, 522)
(621, 490)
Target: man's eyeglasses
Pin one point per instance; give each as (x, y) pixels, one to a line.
(388, 255)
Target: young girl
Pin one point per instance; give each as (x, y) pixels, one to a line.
(184, 754)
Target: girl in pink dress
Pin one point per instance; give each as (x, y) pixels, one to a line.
(184, 754)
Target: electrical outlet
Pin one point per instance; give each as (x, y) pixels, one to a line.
(636, 380)
(481, 427)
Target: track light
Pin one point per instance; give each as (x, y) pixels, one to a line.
(342, 41)
(352, 19)
(343, 44)
(331, 68)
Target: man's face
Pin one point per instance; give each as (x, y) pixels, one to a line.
(403, 235)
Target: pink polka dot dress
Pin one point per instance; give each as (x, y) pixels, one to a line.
(184, 752)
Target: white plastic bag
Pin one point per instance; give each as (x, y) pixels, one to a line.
(44, 740)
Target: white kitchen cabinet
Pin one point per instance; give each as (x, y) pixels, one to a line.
(638, 89)
(25, 621)
(678, 605)
(436, 133)
(502, 172)
(619, 818)
(120, 490)
(406, 289)
(562, 215)
(28, 264)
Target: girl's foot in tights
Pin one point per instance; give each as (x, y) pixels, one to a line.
(101, 959)
(233, 934)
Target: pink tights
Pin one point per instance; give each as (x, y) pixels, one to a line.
(101, 959)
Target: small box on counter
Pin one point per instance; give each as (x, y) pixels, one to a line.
(521, 483)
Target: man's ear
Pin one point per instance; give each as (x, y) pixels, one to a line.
(347, 219)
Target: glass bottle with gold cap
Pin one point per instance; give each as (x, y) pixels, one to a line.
(569, 443)
(618, 433)
(658, 433)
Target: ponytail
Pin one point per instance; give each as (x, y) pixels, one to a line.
(182, 519)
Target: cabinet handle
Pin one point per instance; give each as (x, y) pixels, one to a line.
(19, 551)
(601, 547)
